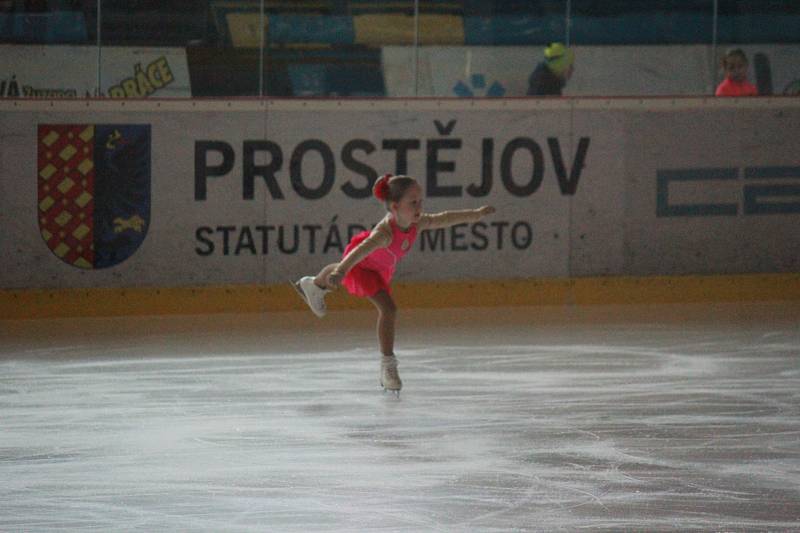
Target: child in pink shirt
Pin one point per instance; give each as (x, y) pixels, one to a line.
(370, 259)
(735, 83)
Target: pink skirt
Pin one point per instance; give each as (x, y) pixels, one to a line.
(361, 281)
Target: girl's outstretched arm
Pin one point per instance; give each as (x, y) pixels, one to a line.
(451, 218)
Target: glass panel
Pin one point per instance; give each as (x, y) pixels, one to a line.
(336, 53)
(42, 22)
(143, 46)
(43, 50)
(759, 21)
(311, 48)
(226, 61)
(767, 32)
(640, 47)
(479, 48)
(384, 33)
(467, 48)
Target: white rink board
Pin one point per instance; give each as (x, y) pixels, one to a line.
(600, 219)
(729, 155)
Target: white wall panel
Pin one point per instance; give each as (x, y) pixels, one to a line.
(575, 183)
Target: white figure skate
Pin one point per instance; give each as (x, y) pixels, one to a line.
(313, 295)
(390, 379)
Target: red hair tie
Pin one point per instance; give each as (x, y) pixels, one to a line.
(381, 189)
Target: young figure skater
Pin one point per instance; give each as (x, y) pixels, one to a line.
(371, 257)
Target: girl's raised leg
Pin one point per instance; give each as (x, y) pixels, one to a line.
(313, 290)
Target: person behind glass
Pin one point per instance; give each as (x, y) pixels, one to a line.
(370, 259)
(734, 64)
(551, 75)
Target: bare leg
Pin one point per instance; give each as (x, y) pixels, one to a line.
(387, 314)
(321, 279)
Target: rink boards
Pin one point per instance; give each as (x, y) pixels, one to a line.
(721, 289)
(236, 197)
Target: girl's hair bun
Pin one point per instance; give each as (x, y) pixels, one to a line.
(381, 188)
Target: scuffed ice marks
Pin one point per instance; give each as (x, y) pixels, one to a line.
(624, 427)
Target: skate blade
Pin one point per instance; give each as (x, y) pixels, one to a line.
(393, 392)
(296, 286)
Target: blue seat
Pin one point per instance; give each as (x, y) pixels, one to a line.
(56, 27)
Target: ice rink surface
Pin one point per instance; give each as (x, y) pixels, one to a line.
(656, 418)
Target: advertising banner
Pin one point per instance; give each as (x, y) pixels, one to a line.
(72, 72)
(261, 192)
(101, 194)
(713, 191)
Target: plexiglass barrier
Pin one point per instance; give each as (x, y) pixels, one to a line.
(397, 48)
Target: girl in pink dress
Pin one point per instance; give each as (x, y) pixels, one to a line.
(735, 83)
(370, 259)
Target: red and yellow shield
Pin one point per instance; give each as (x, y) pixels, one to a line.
(94, 191)
(66, 192)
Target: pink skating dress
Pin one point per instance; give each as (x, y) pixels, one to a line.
(374, 273)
